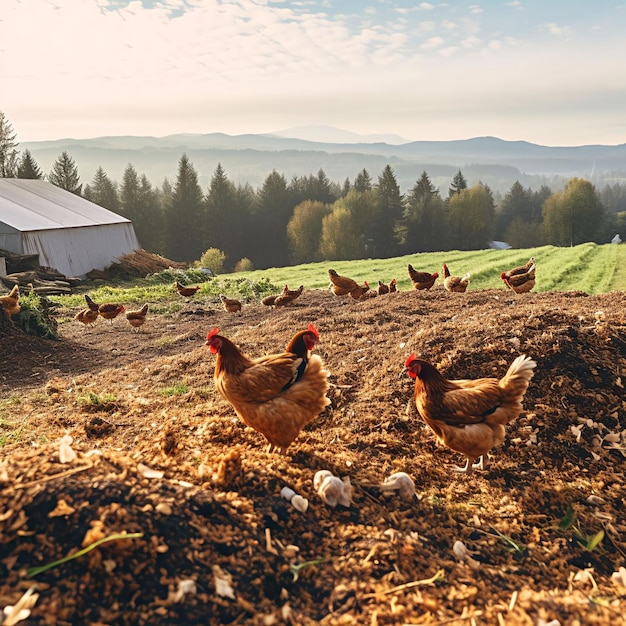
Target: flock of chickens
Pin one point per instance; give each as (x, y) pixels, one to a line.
(279, 394)
(520, 279)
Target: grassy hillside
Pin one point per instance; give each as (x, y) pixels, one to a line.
(588, 267)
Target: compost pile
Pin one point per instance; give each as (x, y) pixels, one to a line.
(120, 437)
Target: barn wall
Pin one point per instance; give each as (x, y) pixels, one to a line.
(76, 251)
(10, 239)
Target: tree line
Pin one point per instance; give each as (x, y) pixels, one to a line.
(311, 218)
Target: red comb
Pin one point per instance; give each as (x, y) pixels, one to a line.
(212, 333)
(314, 331)
(410, 360)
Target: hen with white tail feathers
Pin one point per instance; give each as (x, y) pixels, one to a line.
(469, 416)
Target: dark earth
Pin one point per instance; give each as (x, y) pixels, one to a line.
(160, 455)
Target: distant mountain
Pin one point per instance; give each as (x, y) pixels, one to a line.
(251, 158)
(329, 134)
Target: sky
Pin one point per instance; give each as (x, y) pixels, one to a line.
(550, 72)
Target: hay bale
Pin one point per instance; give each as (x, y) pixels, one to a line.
(142, 263)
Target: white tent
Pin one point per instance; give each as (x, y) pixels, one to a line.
(69, 233)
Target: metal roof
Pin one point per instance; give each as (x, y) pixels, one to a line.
(27, 205)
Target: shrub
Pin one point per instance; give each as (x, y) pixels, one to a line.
(212, 259)
(244, 265)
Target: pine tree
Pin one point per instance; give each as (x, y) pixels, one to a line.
(223, 220)
(363, 181)
(274, 208)
(28, 167)
(388, 215)
(139, 203)
(424, 218)
(152, 222)
(103, 191)
(8, 149)
(458, 184)
(64, 174)
(184, 215)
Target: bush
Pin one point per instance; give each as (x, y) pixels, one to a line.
(244, 265)
(34, 317)
(212, 259)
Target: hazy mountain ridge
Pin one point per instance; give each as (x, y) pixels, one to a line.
(251, 158)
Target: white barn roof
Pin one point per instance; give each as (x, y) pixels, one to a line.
(28, 205)
(68, 232)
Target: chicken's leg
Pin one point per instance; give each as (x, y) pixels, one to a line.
(470, 465)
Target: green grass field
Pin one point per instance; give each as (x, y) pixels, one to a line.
(588, 267)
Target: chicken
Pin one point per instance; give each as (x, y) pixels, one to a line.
(91, 304)
(469, 416)
(230, 304)
(341, 285)
(138, 317)
(283, 300)
(393, 287)
(287, 296)
(11, 302)
(455, 283)
(521, 282)
(422, 280)
(382, 288)
(110, 311)
(277, 395)
(522, 269)
(361, 292)
(293, 293)
(87, 316)
(187, 292)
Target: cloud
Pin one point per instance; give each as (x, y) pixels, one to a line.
(555, 29)
(202, 65)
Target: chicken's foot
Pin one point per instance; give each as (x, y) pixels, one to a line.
(470, 465)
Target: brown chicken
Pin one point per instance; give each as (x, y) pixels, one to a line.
(187, 292)
(293, 293)
(230, 304)
(521, 282)
(341, 285)
(138, 317)
(110, 311)
(362, 292)
(283, 300)
(522, 269)
(393, 286)
(277, 395)
(11, 302)
(287, 296)
(456, 284)
(422, 280)
(87, 316)
(469, 416)
(382, 288)
(91, 304)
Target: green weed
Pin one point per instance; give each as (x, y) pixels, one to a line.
(175, 390)
(571, 522)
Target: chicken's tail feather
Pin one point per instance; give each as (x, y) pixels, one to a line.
(518, 376)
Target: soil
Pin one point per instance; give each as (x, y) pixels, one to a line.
(162, 457)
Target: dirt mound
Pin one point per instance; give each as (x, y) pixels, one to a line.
(161, 457)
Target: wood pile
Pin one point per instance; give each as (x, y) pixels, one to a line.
(25, 271)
